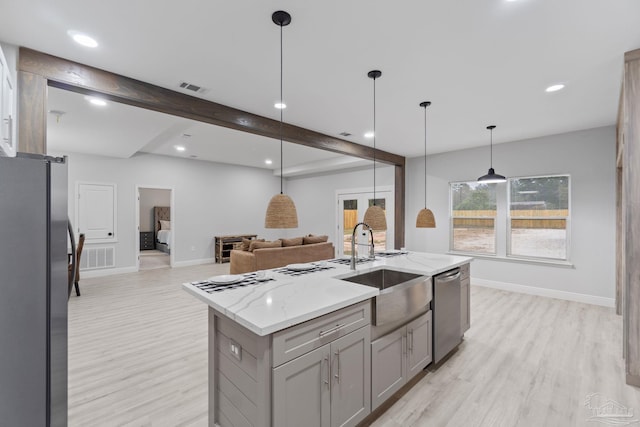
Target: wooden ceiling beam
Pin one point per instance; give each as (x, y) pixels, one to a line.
(72, 76)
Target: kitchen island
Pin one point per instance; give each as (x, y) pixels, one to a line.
(297, 349)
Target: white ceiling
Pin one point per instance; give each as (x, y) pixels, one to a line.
(479, 61)
(119, 130)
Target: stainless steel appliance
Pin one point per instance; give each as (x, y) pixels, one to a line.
(447, 327)
(34, 290)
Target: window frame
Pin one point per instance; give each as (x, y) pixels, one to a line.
(452, 218)
(567, 219)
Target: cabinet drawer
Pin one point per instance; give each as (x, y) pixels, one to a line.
(146, 240)
(300, 339)
(464, 271)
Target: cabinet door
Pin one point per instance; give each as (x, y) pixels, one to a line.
(350, 378)
(388, 366)
(465, 305)
(419, 344)
(301, 391)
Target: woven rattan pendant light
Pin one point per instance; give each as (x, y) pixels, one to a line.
(491, 176)
(374, 217)
(425, 217)
(281, 212)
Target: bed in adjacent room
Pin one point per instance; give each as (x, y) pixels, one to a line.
(162, 220)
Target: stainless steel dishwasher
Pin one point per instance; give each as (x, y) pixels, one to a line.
(447, 327)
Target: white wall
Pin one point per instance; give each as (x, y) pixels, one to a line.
(315, 197)
(209, 199)
(588, 156)
(150, 198)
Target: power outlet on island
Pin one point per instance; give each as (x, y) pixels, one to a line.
(235, 350)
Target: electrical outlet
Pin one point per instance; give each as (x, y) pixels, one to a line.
(235, 350)
(193, 248)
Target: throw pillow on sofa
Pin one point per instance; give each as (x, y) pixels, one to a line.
(262, 245)
(311, 239)
(247, 242)
(296, 241)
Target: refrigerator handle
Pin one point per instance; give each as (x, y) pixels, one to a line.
(74, 259)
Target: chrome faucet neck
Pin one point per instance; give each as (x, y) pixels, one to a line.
(353, 244)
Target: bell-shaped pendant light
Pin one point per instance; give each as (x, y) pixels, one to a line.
(281, 212)
(491, 177)
(425, 217)
(374, 217)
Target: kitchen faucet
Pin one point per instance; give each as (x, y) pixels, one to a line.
(353, 244)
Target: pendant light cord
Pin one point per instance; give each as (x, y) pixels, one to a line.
(491, 149)
(374, 141)
(281, 111)
(425, 157)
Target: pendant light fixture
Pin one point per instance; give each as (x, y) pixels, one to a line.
(492, 176)
(374, 216)
(281, 212)
(425, 217)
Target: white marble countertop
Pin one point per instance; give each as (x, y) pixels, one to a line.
(271, 306)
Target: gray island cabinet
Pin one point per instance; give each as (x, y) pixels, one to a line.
(304, 351)
(399, 356)
(316, 373)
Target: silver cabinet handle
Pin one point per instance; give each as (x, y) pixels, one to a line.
(325, 381)
(9, 122)
(337, 375)
(411, 340)
(329, 331)
(404, 344)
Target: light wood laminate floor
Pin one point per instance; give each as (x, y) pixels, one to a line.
(138, 357)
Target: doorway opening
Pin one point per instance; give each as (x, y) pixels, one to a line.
(352, 204)
(154, 217)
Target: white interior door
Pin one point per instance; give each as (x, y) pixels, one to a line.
(351, 209)
(96, 211)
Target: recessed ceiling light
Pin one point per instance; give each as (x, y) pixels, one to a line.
(96, 101)
(555, 88)
(368, 134)
(82, 39)
(180, 148)
(268, 162)
(280, 105)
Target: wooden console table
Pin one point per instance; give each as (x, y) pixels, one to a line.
(224, 245)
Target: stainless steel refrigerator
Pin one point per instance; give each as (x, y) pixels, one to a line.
(34, 290)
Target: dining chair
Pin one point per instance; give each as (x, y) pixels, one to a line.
(78, 254)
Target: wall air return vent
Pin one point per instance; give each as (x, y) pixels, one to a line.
(193, 88)
(93, 258)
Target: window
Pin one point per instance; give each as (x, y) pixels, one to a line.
(352, 205)
(473, 217)
(538, 217)
(529, 217)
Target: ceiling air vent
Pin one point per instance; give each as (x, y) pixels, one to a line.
(193, 88)
(345, 134)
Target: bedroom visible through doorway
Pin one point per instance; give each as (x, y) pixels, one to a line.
(155, 228)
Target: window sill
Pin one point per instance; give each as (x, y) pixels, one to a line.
(550, 263)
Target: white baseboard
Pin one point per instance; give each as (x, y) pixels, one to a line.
(124, 270)
(107, 272)
(192, 262)
(544, 292)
